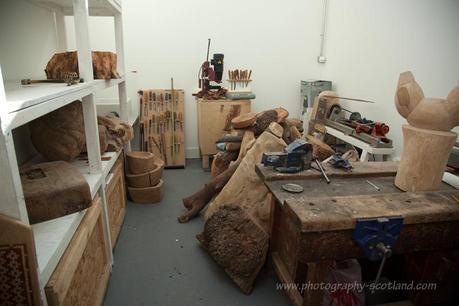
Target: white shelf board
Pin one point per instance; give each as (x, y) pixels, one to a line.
(51, 240)
(25, 103)
(95, 179)
(20, 97)
(104, 84)
(53, 236)
(96, 7)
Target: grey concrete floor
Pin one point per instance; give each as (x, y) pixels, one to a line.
(158, 261)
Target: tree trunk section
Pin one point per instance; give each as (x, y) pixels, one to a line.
(424, 158)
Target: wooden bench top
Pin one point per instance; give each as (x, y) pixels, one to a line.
(349, 197)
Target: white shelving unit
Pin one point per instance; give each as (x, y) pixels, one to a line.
(20, 104)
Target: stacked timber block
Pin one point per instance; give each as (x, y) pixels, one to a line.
(214, 121)
(144, 177)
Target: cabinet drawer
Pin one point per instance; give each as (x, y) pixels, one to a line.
(82, 274)
(116, 199)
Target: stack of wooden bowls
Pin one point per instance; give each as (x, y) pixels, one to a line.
(144, 177)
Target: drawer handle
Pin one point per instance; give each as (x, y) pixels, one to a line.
(109, 178)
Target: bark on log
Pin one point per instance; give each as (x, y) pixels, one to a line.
(237, 243)
(59, 135)
(263, 120)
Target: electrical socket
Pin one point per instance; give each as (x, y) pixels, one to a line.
(321, 59)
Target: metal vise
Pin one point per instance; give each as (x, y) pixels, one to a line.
(296, 157)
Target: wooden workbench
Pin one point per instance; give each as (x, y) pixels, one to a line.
(311, 229)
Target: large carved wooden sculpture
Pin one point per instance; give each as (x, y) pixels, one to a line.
(427, 138)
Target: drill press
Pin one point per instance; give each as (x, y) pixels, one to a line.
(210, 74)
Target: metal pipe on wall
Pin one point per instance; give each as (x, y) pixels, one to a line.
(321, 58)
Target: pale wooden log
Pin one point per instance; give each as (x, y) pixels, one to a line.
(245, 189)
(294, 133)
(237, 228)
(320, 149)
(282, 114)
(424, 158)
(244, 120)
(247, 142)
(275, 129)
(295, 122)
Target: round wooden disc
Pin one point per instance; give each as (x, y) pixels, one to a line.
(244, 120)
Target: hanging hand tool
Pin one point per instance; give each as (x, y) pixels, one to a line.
(173, 119)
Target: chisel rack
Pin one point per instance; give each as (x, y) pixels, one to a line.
(161, 125)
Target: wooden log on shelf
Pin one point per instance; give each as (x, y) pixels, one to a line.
(59, 135)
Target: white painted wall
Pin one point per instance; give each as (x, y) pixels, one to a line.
(27, 39)
(368, 44)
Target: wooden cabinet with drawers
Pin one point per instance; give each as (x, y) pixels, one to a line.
(214, 121)
(116, 198)
(82, 274)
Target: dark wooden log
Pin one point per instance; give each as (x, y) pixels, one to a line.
(59, 135)
(264, 119)
(197, 201)
(221, 162)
